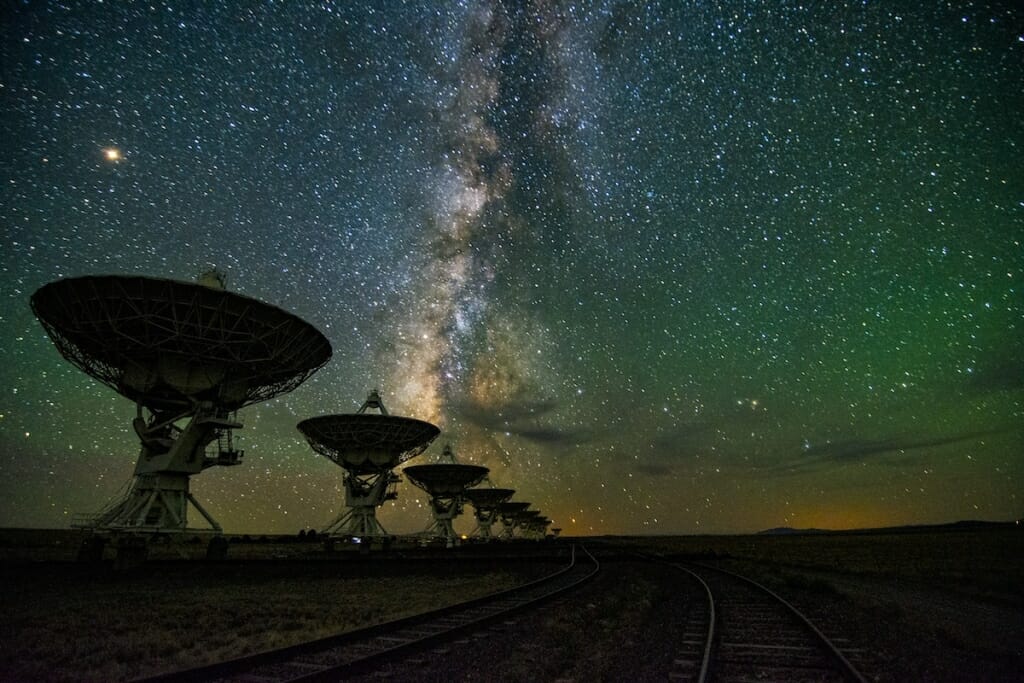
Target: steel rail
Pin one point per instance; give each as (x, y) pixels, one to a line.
(705, 662)
(847, 669)
(382, 642)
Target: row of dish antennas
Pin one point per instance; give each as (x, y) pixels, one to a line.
(190, 355)
(369, 446)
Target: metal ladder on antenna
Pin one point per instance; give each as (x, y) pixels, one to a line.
(225, 453)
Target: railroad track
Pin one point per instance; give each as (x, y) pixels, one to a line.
(360, 652)
(743, 631)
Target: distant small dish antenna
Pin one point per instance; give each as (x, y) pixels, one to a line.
(445, 482)
(531, 523)
(485, 501)
(536, 528)
(511, 514)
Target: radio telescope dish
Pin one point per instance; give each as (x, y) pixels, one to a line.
(485, 508)
(189, 355)
(367, 446)
(367, 443)
(536, 527)
(445, 483)
(488, 498)
(510, 511)
(441, 479)
(166, 344)
(525, 517)
(526, 521)
(512, 507)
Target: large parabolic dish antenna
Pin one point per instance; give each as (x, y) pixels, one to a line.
(165, 343)
(367, 443)
(512, 507)
(526, 522)
(445, 482)
(368, 446)
(444, 479)
(488, 498)
(536, 527)
(189, 355)
(510, 512)
(485, 508)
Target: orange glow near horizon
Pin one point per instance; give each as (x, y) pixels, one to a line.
(842, 518)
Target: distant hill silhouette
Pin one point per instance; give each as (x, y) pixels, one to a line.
(790, 531)
(964, 525)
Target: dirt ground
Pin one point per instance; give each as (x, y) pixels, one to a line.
(629, 624)
(929, 607)
(66, 621)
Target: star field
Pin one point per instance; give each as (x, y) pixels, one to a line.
(669, 267)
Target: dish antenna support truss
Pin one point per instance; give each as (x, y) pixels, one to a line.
(446, 483)
(511, 513)
(368, 446)
(485, 508)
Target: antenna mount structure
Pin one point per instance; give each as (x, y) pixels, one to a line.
(189, 355)
(485, 508)
(527, 522)
(368, 447)
(445, 482)
(510, 513)
(536, 527)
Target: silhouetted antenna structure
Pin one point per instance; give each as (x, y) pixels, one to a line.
(189, 355)
(509, 513)
(527, 521)
(445, 483)
(536, 528)
(485, 508)
(368, 447)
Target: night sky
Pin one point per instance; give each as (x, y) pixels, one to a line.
(676, 267)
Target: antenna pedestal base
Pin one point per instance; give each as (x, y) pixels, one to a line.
(157, 503)
(357, 522)
(485, 519)
(363, 495)
(445, 510)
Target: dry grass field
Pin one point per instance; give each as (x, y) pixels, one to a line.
(67, 621)
(985, 562)
(944, 605)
